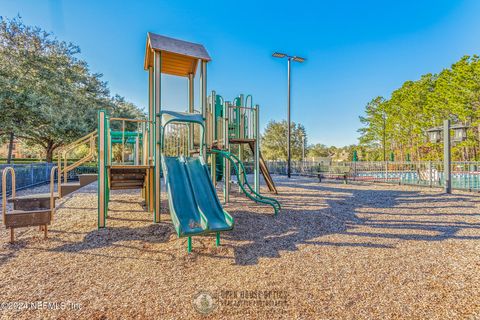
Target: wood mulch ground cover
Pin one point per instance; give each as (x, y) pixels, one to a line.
(357, 251)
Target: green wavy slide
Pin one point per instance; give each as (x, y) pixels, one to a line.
(245, 186)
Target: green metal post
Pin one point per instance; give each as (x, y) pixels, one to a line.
(189, 244)
(256, 172)
(217, 242)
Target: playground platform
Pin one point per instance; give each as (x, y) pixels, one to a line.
(356, 251)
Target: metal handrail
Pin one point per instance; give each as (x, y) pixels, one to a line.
(63, 155)
(4, 190)
(79, 140)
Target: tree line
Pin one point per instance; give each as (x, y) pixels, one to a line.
(48, 95)
(274, 144)
(399, 124)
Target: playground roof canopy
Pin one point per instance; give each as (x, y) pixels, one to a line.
(179, 58)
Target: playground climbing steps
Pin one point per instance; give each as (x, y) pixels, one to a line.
(28, 211)
(38, 209)
(42, 200)
(83, 180)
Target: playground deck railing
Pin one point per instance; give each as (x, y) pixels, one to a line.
(128, 141)
(465, 174)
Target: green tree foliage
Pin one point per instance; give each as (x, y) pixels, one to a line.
(48, 96)
(124, 109)
(318, 151)
(399, 123)
(274, 141)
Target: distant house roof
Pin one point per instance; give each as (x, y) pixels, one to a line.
(179, 57)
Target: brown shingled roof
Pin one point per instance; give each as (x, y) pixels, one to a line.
(178, 57)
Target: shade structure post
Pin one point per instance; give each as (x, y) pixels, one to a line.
(102, 172)
(151, 138)
(191, 109)
(213, 127)
(203, 96)
(157, 155)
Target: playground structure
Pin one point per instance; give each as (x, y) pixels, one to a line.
(181, 146)
(192, 151)
(238, 127)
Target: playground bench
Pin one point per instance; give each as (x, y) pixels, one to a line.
(335, 176)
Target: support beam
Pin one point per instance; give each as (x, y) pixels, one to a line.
(203, 95)
(157, 155)
(226, 163)
(191, 109)
(102, 174)
(151, 139)
(213, 127)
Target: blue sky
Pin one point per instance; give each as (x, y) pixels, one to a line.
(356, 50)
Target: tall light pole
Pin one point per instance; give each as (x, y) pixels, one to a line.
(303, 147)
(384, 136)
(289, 60)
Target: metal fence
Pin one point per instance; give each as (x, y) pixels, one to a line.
(465, 175)
(35, 174)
